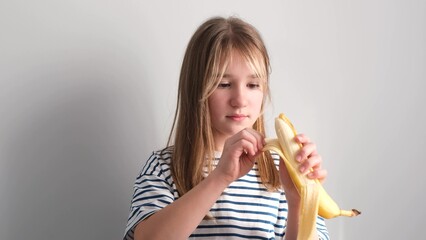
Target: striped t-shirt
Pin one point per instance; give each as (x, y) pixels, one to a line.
(245, 210)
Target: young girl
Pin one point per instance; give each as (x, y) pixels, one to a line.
(213, 181)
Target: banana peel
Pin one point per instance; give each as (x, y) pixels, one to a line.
(314, 199)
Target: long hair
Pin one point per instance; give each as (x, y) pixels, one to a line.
(206, 58)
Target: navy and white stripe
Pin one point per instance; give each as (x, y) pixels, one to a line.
(245, 210)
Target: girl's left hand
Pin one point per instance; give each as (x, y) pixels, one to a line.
(309, 159)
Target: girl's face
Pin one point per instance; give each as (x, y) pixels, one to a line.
(236, 103)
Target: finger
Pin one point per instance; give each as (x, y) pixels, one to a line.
(251, 158)
(260, 139)
(246, 146)
(313, 162)
(302, 138)
(309, 149)
(319, 174)
(235, 141)
(247, 158)
(254, 137)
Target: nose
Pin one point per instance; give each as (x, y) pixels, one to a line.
(239, 97)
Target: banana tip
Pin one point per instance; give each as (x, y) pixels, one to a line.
(356, 212)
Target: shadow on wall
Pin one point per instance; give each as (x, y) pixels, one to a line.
(69, 150)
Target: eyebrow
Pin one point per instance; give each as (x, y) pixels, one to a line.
(227, 75)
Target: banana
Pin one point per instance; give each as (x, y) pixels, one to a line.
(314, 199)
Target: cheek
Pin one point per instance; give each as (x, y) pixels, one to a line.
(214, 105)
(257, 101)
(211, 104)
(217, 99)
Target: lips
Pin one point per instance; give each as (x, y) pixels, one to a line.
(237, 117)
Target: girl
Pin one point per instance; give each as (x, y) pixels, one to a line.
(213, 181)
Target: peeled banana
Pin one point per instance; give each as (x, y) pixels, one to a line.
(314, 199)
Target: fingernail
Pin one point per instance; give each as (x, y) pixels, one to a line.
(298, 158)
(311, 174)
(302, 169)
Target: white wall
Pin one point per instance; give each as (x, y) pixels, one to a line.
(87, 91)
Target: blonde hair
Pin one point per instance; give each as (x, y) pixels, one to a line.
(206, 58)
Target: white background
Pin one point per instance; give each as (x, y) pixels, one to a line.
(88, 90)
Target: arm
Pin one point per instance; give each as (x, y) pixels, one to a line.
(309, 158)
(180, 218)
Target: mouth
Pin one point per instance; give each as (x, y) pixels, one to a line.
(237, 117)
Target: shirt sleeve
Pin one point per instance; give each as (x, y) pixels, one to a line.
(322, 229)
(153, 190)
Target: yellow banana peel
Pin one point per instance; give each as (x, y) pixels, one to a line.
(314, 199)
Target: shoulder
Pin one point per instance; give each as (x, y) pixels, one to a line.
(158, 162)
(163, 155)
(156, 170)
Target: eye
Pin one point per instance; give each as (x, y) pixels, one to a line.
(253, 85)
(224, 85)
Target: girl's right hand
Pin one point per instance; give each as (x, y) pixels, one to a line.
(238, 157)
(239, 153)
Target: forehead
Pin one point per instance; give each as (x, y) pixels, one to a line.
(236, 59)
(253, 61)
